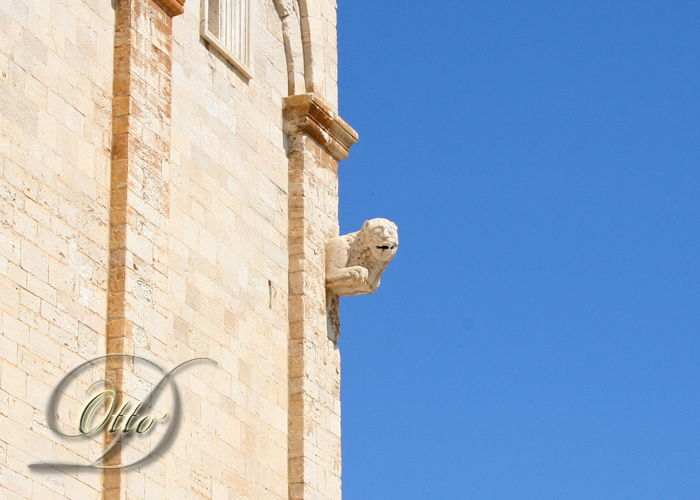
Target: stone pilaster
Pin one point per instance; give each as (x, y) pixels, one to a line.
(318, 139)
(138, 273)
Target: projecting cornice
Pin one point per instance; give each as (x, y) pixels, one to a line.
(308, 114)
(172, 7)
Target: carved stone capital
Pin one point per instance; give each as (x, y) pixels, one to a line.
(356, 261)
(172, 7)
(308, 114)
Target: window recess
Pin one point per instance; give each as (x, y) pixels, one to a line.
(226, 25)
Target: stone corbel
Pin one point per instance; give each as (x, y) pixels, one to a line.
(173, 7)
(356, 261)
(307, 114)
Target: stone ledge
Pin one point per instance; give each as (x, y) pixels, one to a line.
(172, 7)
(308, 114)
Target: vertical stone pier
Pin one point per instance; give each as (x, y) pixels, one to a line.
(318, 139)
(137, 320)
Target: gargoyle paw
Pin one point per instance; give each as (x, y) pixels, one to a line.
(359, 273)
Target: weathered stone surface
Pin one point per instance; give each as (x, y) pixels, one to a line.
(138, 305)
(308, 114)
(314, 358)
(173, 7)
(55, 142)
(356, 261)
(154, 202)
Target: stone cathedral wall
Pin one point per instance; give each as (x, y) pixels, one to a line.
(156, 202)
(56, 68)
(228, 264)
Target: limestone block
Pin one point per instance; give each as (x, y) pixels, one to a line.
(356, 261)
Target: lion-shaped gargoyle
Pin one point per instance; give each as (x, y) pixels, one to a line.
(355, 261)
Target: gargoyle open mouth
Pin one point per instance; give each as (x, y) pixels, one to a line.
(388, 245)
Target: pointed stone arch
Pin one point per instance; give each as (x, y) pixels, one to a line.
(289, 14)
(306, 45)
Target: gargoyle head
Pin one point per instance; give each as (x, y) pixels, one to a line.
(382, 238)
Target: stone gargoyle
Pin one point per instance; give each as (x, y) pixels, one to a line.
(356, 261)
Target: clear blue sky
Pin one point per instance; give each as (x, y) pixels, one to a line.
(538, 334)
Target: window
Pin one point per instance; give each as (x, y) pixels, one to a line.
(226, 25)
